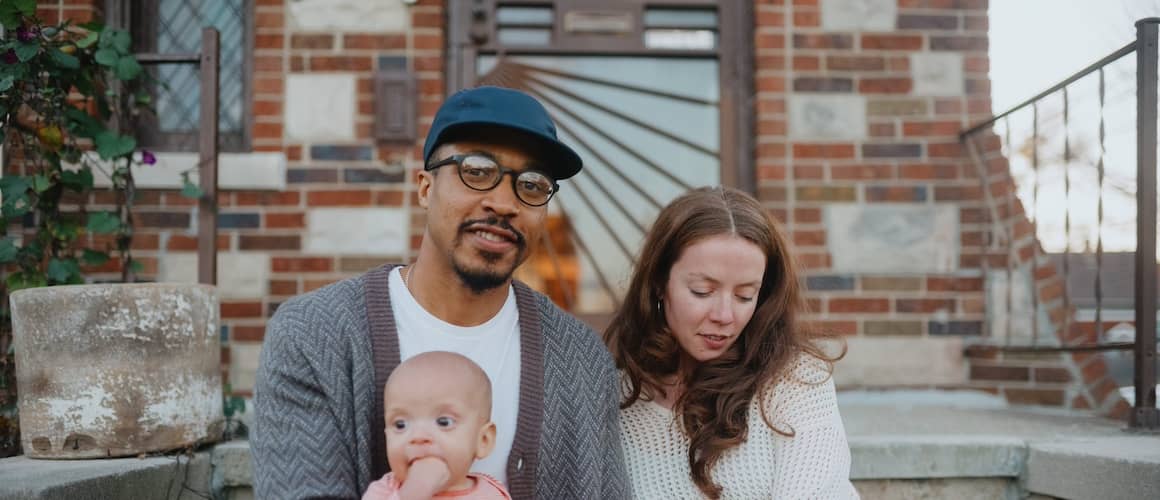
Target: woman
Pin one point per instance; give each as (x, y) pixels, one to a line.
(726, 394)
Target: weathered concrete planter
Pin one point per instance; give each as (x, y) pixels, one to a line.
(116, 370)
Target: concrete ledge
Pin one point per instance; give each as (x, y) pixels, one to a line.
(23, 478)
(936, 456)
(256, 171)
(231, 465)
(1089, 468)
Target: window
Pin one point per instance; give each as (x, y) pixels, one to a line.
(174, 27)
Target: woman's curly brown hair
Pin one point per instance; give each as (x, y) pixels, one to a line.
(717, 394)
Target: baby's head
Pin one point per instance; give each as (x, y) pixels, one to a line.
(438, 404)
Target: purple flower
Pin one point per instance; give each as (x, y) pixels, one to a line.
(10, 57)
(26, 34)
(147, 157)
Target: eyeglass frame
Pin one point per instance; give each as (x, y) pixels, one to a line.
(457, 160)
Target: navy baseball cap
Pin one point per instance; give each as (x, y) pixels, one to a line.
(503, 108)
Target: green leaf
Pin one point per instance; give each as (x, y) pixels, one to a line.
(189, 189)
(94, 258)
(21, 280)
(79, 181)
(121, 42)
(136, 266)
(106, 57)
(88, 40)
(111, 145)
(82, 123)
(41, 183)
(13, 185)
(103, 222)
(128, 68)
(8, 249)
(26, 51)
(7, 82)
(64, 271)
(64, 60)
(26, 7)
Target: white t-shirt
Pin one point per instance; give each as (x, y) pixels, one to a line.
(493, 345)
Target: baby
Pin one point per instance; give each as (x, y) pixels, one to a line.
(438, 421)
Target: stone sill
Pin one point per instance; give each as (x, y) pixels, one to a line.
(1105, 468)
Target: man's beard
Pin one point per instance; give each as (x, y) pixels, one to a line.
(488, 278)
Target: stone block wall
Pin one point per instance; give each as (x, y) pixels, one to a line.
(858, 108)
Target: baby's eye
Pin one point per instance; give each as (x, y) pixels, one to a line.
(399, 425)
(445, 422)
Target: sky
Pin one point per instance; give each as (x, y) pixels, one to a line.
(1035, 44)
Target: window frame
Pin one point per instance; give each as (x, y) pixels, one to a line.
(123, 14)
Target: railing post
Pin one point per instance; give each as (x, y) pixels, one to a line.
(208, 161)
(1145, 414)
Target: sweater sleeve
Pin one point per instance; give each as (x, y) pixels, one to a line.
(615, 484)
(300, 446)
(815, 461)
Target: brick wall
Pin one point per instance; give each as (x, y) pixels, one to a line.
(858, 111)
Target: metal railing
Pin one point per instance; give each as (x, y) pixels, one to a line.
(1016, 237)
(208, 64)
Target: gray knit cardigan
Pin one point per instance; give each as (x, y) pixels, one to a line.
(318, 429)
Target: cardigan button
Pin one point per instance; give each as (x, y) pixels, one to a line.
(520, 464)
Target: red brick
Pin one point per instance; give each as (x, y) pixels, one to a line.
(269, 19)
(769, 40)
(311, 285)
(1105, 388)
(944, 150)
(804, 41)
(269, 242)
(924, 305)
(427, 19)
(852, 305)
(268, 41)
(241, 310)
(813, 260)
(771, 84)
(814, 172)
(374, 42)
(891, 42)
(268, 63)
(815, 238)
(855, 63)
(944, 128)
(883, 129)
(1080, 403)
(806, 63)
(862, 172)
(806, 18)
(926, 171)
(294, 220)
(341, 63)
(827, 151)
(267, 130)
(389, 198)
(885, 85)
(428, 42)
(266, 198)
(312, 41)
(952, 106)
(957, 193)
(338, 198)
(268, 85)
(247, 333)
(953, 284)
(1060, 375)
(301, 264)
(284, 287)
(180, 243)
(770, 18)
(771, 172)
(807, 215)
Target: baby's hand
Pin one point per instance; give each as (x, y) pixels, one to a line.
(425, 478)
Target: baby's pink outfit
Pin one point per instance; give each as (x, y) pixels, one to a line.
(486, 488)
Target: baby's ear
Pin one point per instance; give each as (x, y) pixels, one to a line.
(486, 441)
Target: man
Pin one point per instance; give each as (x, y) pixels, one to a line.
(492, 162)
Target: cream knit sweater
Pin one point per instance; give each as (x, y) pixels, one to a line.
(815, 463)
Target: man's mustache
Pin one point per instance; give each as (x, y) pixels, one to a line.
(504, 224)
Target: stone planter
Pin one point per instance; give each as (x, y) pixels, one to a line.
(117, 369)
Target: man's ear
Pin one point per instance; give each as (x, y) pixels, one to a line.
(424, 180)
(486, 441)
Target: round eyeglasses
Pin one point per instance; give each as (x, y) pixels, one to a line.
(482, 173)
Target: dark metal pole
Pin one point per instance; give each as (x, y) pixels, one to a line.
(208, 162)
(1145, 414)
